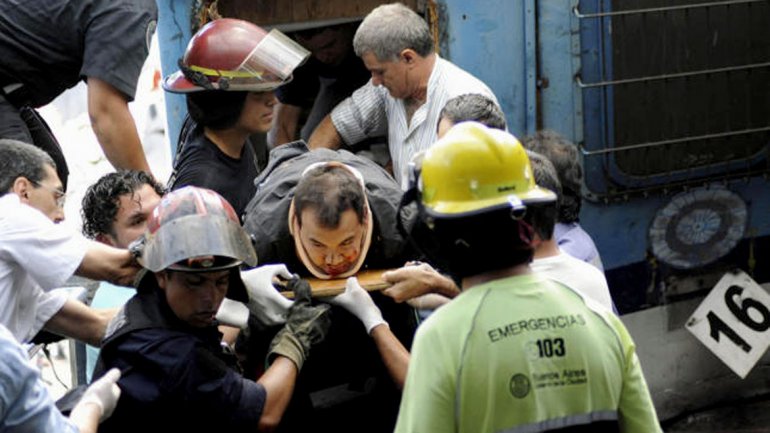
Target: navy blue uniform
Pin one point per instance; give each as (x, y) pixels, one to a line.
(175, 377)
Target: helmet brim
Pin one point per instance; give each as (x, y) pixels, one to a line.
(213, 236)
(178, 83)
(462, 208)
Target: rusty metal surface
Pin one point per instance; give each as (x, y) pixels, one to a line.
(282, 12)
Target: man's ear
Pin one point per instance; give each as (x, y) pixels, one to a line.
(21, 186)
(162, 279)
(409, 56)
(106, 239)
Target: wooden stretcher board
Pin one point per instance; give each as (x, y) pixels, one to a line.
(370, 280)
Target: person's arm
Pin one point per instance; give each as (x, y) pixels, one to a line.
(114, 126)
(394, 355)
(412, 281)
(431, 301)
(325, 135)
(229, 334)
(286, 123)
(278, 382)
(305, 327)
(85, 417)
(105, 263)
(358, 302)
(98, 402)
(77, 320)
(357, 117)
(25, 402)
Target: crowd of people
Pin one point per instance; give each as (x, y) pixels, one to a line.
(496, 315)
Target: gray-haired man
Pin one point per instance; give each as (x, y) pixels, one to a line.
(410, 85)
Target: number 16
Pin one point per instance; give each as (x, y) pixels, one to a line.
(741, 312)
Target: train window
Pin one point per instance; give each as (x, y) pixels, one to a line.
(683, 86)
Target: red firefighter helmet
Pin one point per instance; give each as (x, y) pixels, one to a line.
(195, 230)
(236, 55)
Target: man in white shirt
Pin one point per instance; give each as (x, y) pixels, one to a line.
(37, 255)
(410, 85)
(549, 259)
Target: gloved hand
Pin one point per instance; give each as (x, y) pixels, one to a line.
(137, 246)
(104, 393)
(306, 325)
(267, 305)
(358, 302)
(233, 313)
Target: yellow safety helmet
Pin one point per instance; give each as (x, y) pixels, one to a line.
(475, 169)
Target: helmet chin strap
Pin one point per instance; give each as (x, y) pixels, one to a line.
(195, 77)
(526, 232)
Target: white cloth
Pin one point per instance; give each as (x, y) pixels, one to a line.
(370, 111)
(577, 275)
(36, 256)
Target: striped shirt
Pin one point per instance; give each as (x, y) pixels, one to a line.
(371, 111)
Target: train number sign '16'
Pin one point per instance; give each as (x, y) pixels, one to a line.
(734, 322)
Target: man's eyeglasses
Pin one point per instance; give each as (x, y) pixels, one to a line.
(59, 195)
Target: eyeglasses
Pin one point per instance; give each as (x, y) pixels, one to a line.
(59, 195)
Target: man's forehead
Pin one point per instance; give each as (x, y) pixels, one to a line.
(144, 196)
(348, 220)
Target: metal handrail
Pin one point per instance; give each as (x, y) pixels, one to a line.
(576, 8)
(586, 152)
(645, 191)
(583, 85)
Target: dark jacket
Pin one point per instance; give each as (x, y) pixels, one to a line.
(344, 386)
(175, 377)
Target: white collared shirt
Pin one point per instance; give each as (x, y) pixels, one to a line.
(36, 256)
(577, 275)
(371, 111)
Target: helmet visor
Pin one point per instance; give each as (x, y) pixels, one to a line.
(268, 66)
(276, 54)
(194, 238)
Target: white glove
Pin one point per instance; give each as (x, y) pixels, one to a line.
(233, 313)
(104, 393)
(358, 302)
(267, 305)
